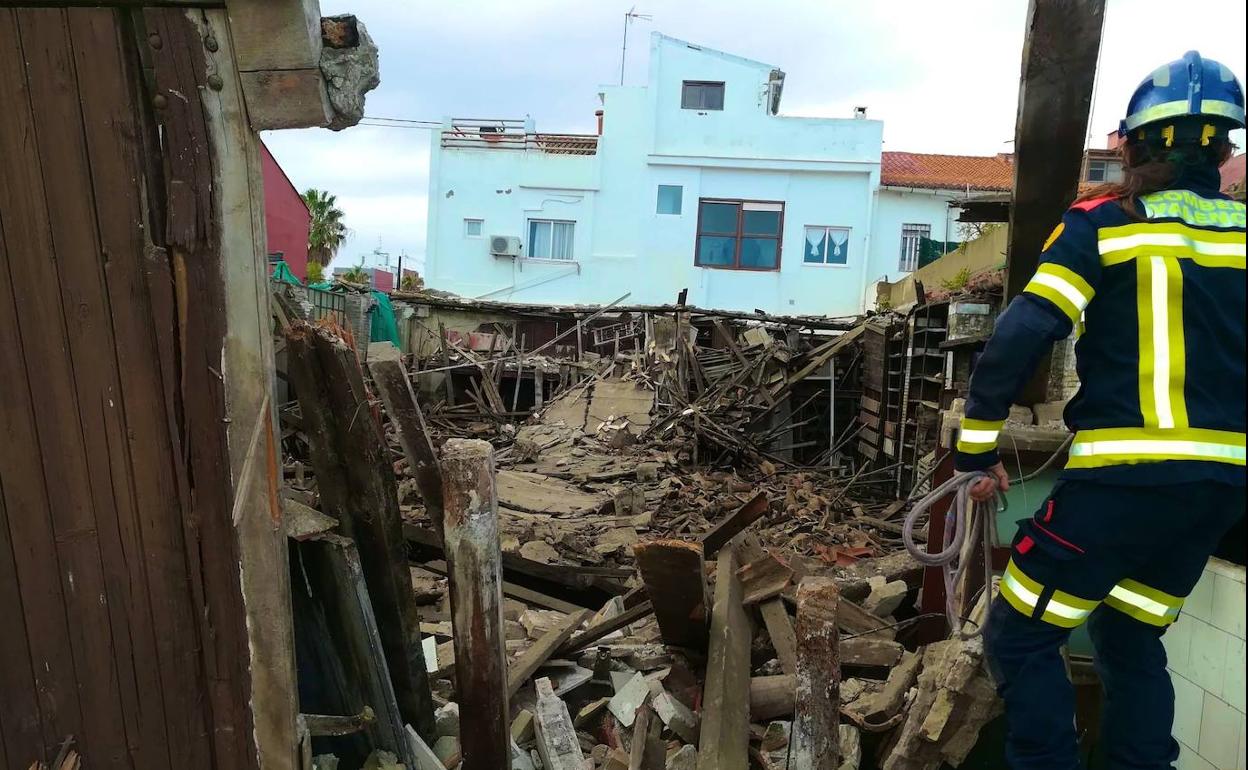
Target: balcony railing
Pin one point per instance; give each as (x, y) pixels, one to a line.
(504, 134)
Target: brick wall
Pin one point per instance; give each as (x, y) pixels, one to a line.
(1206, 662)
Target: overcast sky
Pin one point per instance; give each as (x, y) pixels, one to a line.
(943, 76)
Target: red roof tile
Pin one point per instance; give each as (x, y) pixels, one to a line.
(947, 172)
(1233, 172)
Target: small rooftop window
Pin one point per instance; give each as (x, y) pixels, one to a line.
(702, 95)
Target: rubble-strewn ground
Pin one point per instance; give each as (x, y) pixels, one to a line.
(625, 476)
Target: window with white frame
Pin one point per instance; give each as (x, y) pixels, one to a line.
(826, 245)
(550, 239)
(911, 237)
(473, 227)
(1104, 171)
(701, 95)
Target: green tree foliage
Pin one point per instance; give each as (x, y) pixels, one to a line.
(316, 272)
(356, 274)
(327, 232)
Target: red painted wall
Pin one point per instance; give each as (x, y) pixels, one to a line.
(383, 280)
(286, 216)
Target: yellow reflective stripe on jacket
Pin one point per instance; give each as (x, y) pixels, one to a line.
(1063, 287)
(1062, 609)
(1159, 286)
(1145, 604)
(1117, 446)
(978, 436)
(1208, 248)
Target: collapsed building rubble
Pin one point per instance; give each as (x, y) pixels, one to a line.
(639, 558)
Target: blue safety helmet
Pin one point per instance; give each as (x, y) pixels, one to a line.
(1188, 100)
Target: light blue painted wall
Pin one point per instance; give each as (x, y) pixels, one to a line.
(896, 207)
(825, 171)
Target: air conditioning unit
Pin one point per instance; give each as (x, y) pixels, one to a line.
(504, 245)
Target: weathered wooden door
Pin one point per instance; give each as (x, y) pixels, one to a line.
(121, 592)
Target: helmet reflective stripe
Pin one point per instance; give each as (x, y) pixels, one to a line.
(1188, 87)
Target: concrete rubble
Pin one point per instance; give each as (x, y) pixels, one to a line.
(650, 612)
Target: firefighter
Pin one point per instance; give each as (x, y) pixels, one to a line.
(1148, 275)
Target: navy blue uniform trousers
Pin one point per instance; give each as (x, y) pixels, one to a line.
(1120, 558)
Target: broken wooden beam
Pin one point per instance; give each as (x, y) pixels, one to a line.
(395, 388)
(357, 487)
(608, 579)
(327, 724)
(780, 629)
(542, 650)
(605, 628)
(771, 697)
(675, 578)
(815, 741)
(725, 735)
(732, 525)
(514, 591)
(476, 574)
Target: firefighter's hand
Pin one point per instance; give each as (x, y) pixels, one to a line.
(983, 490)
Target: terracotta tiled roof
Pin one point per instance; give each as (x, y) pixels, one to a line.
(947, 172)
(1233, 172)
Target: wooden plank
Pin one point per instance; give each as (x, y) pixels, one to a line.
(514, 591)
(1060, 52)
(35, 186)
(675, 578)
(542, 650)
(780, 629)
(772, 697)
(605, 628)
(608, 579)
(732, 525)
(409, 422)
(815, 741)
(358, 488)
(146, 446)
(471, 530)
(238, 230)
(186, 227)
(725, 733)
(336, 594)
(853, 619)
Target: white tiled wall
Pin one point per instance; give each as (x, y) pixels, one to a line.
(1205, 649)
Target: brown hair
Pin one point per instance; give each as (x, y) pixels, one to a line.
(1148, 168)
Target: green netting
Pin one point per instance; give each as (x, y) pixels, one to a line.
(930, 250)
(321, 285)
(282, 272)
(383, 327)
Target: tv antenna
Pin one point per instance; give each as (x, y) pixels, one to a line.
(628, 20)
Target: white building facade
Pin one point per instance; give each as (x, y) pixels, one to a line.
(694, 182)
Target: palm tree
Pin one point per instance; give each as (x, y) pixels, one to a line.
(327, 232)
(356, 274)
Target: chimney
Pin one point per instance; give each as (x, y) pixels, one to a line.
(1113, 141)
(598, 114)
